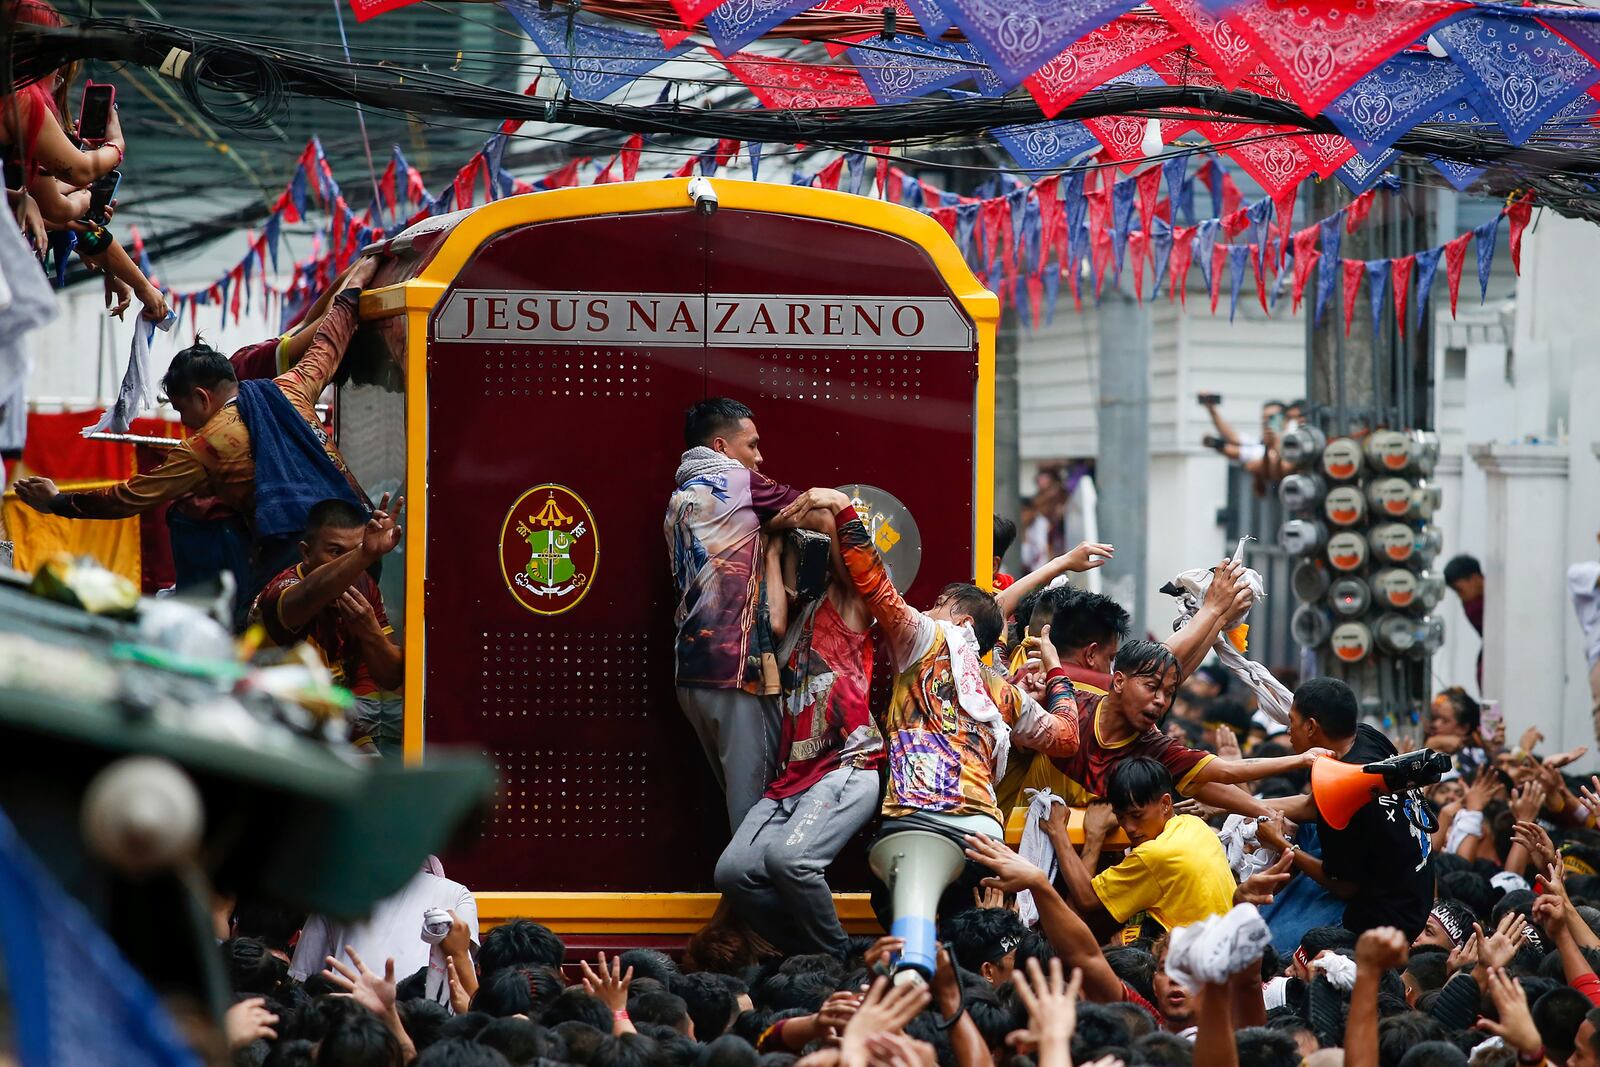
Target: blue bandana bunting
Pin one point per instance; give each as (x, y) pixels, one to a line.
(1238, 259)
(595, 60)
(1524, 72)
(1328, 266)
(1427, 265)
(1483, 241)
(1122, 205)
(1378, 271)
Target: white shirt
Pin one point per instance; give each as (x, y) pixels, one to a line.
(1581, 581)
(394, 930)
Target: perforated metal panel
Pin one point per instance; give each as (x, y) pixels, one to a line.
(550, 795)
(864, 377)
(567, 372)
(518, 676)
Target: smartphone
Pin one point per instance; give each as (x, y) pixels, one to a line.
(1490, 718)
(1209, 399)
(95, 117)
(1275, 423)
(102, 191)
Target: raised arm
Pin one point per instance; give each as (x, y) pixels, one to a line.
(308, 377)
(1088, 556)
(1066, 932)
(1226, 597)
(302, 601)
(907, 630)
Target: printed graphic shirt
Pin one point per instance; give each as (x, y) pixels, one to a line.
(827, 723)
(713, 531)
(940, 758)
(1088, 770)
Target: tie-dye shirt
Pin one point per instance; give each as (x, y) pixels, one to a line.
(940, 758)
(713, 530)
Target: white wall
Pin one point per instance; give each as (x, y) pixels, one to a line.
(1525, 408)
(1248, 361)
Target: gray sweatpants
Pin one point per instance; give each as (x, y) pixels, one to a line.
(739, 733)
(773, 868)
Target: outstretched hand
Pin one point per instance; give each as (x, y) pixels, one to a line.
(382, 533)
(1012, 873)
(610, 984)
(374, 992)
(1088, 556)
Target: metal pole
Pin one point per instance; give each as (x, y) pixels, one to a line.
(1122, 472)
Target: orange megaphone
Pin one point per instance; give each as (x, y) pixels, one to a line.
(1342, 789)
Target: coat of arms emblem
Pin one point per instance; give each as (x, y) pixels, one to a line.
(549, 549)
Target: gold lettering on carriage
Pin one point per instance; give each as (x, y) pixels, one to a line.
(717, 320)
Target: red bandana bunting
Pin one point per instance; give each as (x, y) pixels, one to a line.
(629, 154)
(1354, 269)
(1328, 151)
(692, 11)
(1222, 47)
(371, 9)
(1138, 245)
(1401, 274)
(782, 85)
(1113, 49)
(1182, 254)
(1256, 256)
(1519, 212)
(1455, 254)
(1149, 187)
(1275, 164)
(1320, 50)
(1357, 212)
(1305, 258)
(828, 177)
(1219, 262)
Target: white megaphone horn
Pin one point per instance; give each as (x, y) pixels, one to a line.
(916, 865)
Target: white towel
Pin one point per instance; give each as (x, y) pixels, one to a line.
(972, 692)
(135, 395)
(1271, 695)
(1036, 848)
(1245, 855)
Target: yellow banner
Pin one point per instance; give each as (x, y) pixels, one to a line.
(37, 536)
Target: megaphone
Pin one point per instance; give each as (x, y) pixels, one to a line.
(916, 865)
(1342, 789)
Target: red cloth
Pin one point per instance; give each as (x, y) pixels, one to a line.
(156, 569)
(1277, 164)
(57, 449)
(1401, 272)
(1519, 212)
(1589, 986)
(369, 9)
(1002, 581)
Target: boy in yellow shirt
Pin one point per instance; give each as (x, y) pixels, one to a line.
(1177, 869)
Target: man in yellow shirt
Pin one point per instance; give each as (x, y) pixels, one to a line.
(1177, 869)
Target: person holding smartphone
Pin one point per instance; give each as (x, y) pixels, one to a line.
(1258, 455)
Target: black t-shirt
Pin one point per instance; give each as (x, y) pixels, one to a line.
(1381, 852)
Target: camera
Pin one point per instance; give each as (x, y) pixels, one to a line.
(703, 195)
(1208, 400)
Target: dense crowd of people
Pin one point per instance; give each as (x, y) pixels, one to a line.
(1178, 894)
